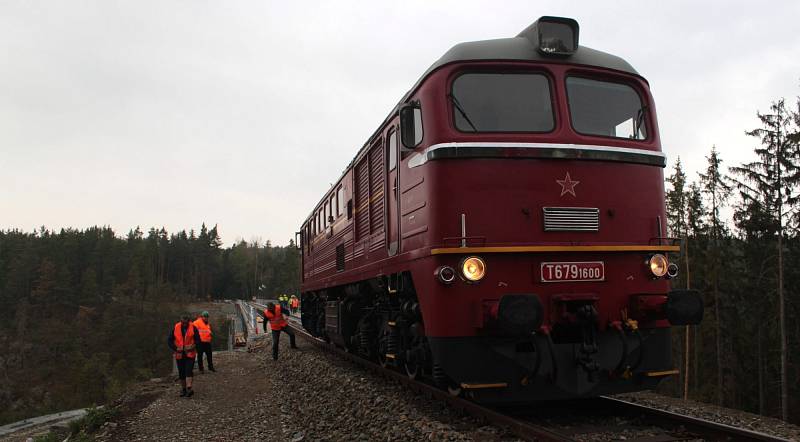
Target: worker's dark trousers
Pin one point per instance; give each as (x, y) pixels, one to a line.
(276, 335)
(204, 347)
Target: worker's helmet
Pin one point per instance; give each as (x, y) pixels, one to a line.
(204, 314)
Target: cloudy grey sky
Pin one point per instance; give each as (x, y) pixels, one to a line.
(241, 113)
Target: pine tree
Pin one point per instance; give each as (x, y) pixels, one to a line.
(89, 290)
(696, 228)
(676, 199)
(45, 284)
(773, 181)
(717, 190)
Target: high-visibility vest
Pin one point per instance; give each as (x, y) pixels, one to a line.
(276, 321)
(184, 341)
(204, 329)
(295, 302)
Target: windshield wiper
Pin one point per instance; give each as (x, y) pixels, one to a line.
(461, 111)
(637, 125)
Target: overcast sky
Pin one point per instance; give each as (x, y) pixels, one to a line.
(241, 113)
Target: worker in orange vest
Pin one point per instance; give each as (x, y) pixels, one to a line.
(204, 346)
(277, 323)
(182, 342)
(294, 303)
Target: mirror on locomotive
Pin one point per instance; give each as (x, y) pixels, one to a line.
(411, 125)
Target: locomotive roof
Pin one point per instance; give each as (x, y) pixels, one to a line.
(523, 47)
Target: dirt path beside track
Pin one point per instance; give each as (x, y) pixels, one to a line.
(230, 404)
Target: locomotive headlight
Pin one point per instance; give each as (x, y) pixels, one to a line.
(553, 35)
(473, 269)
(658, 265)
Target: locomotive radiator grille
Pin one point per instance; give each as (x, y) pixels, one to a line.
(571, 219)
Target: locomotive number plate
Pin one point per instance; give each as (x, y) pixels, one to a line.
(573, 271)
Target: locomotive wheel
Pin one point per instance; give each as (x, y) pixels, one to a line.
(383, 346)
(412, 369)
(453, 389)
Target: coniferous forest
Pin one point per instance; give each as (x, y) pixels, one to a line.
(83, 313)
(739, 229)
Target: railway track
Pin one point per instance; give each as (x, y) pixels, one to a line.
(602, 418)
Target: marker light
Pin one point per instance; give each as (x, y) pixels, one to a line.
(445, 274)
(658, 265)
(473, 269)
(672, 270)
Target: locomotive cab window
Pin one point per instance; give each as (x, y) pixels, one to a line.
(606, 109)
(494, 102)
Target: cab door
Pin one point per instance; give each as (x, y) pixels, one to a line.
(393, 194)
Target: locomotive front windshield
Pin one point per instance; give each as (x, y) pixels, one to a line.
(494, 102)
(606, 109)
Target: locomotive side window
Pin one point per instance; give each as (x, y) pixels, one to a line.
(606, 109)
(392, 154)
(494, 102)
(339, 201)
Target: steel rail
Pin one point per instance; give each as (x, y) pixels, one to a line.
(706, 429)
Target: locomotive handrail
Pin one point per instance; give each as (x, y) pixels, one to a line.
(674, 240)
(458, 239)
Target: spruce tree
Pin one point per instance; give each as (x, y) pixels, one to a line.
(676, 199)
(717, 189)
(773, 181)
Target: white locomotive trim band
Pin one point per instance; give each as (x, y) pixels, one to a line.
(539, 150)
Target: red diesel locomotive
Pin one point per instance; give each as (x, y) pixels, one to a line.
(503, 231)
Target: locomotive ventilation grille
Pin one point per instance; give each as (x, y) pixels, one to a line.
(571, 219)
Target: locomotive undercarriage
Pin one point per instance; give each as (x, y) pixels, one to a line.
(516, 370)
(378, 319)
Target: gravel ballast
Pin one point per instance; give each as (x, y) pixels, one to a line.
(310, 394)
(329, 398)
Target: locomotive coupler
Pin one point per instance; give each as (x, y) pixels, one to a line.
(587, 318)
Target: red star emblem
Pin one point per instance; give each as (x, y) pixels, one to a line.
(567, 185)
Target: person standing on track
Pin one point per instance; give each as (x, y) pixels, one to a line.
(182, 341)
(277, 323)
(204, 346)
(294, 303)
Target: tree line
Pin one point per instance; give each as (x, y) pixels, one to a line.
(85, 312)
(747, 265)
